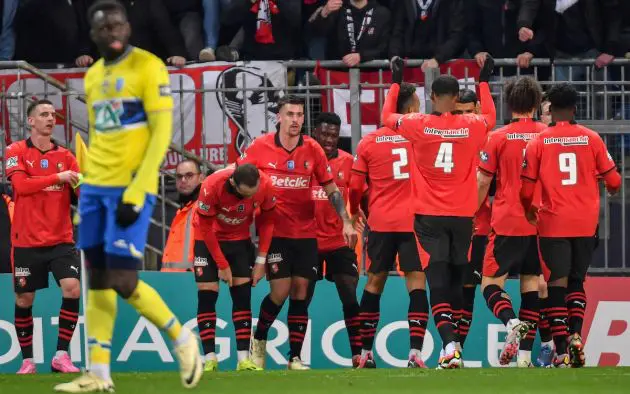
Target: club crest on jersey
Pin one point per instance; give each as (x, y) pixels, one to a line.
(120, 82)
(240, 208)
(340, 175)
(483, 156)
(59, 167)
(306, 164)
(291, 165)
(524, 163)
(43, 163)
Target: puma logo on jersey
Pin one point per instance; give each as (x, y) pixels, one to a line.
(30, 163)
(272, 165)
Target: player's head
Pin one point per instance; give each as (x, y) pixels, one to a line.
(245, 180)
(41, 117)
(545, 114)
(444, 93)
(522, 96)
(109, 27)
(408, 101)
(326, 131)
(188, 177)
(467, 102)
(563, 99)
(290, 115)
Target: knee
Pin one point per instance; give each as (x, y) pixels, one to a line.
(71, 288)
(125, 283)
(415, 281)
(208, 286)
(24, 300)
(376, 283)
(299, 289)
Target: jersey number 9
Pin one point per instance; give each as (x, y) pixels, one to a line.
(568, 165)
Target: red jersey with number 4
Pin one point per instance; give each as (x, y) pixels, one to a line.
(446, 153)
(292, 174)
(233, 215)
(383, 157)
(329, 224)
(503, 156)
(42, 218)
(481, 221)
(567, 159)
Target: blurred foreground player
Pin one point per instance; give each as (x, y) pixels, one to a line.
(224, 250)
(384, 157)
(130, 115)
(293, 162)
(341, 261)
(567, 160)
(43, 175)
(512, 244)
(445, 155)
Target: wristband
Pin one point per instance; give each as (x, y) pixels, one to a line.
(261, 260)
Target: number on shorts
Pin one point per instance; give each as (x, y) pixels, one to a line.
(568, 165)
(444, 157)
(400, 163)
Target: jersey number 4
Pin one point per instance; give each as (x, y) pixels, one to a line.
(568, 165)
(400, 163)
(444, 157)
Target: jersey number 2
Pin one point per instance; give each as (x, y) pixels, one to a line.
(400, 163)
(444, 157)
(568, 165)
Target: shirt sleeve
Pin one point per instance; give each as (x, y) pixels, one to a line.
(157, 90)
(488, 160)
(14, 160)
(73, 165)
(321, 168)
(603, 159)
(531, 162)
(360, 161)
(206, 202)
(269, 199)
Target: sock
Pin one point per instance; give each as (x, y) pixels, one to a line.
(24, 328)
(529, 313)
(468, 307)
(351, 317)
(417, 316)
(525, 355)
(68, 317)
(100, 315)
(499, 303)
(242, 314)
(148, 303)
(298, 321)
(544, 329)
(558, 316)
(576, 305)
(369, 315)
(268, 313)
(207, 318)
(443, 318)
(242, 355)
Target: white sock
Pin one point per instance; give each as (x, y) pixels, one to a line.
(365, 352)
(512, 323)
(415, 352)
(458, 346)
(210, 356)
(548, 343)
(242, 355)
(60, 353)
(182, 338)
(525, 355)
(101, 370)
(450, 348)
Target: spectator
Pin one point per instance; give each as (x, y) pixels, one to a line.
(179, 249)
(212, 11)
(428, 29)
(357, 31)
(271, 28)
(7, 36)
(188, 17)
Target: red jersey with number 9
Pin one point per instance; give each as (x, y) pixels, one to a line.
(383, 156)
(567, 159)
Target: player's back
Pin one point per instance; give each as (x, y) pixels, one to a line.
(387, 156)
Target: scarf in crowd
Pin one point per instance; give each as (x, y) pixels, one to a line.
(352, 36)
(263, 10)
(424, 8)
(563, 5)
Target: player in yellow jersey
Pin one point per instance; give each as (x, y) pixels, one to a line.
(130, 113)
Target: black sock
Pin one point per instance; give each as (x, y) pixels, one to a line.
(24, 329)
(576, 306)
(268, 313)
(207, 318)
(242, 314)
(310, 292)
(544, 328)
(351, 317)
(558, 317)
(417, 316)
(369, 316)
(443, 317)
(298, 321)
(499, 303)
(468, 307)
(68, 317)
(529, 313)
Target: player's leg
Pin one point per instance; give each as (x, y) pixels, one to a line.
(547, 351)
(555, 256)
(472, 279)
(207, 279)
(65, 265)
(530, 304)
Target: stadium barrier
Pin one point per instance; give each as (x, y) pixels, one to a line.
(139, 346)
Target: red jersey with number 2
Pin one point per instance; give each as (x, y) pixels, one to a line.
(567, 159)
(292, 174)
(329, 224)
(383, 157)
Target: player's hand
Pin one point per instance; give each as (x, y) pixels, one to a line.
(127, 214)
(431, 63)
(524, 59)
(398, 67)
(487, 69)
(84, 61)
(258, 273)
(177, 61)
(358, 221)
(349, 234)
(69, 177)
(603, 60)
(332, 6)
(351, 59)
(525, 34)
(226, 275)
(480, 58)
(532, 216)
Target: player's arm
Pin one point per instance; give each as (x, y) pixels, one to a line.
(606, 167)
(529, 174)
(488, 162)
(266, 223)
(358, 178)
(488, 110)
(206, 216)
(22, 183)
(74, 166)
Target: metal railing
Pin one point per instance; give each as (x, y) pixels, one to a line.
(604, 106)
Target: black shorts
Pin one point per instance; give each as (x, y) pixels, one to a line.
(382, 248)
(342, 261)
(443, 239)
(566, 257)
(507, 253)
(32, 265)
(239, 254)
(472, 274)
(289, 257)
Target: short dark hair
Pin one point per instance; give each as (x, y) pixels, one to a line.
(405, 97)
(467, 96)
(246, 174)
(562, 96)
(523, 94)
(34, 104)
(445, 85)
(328, 117)
(195, 162)
(289, 99)
(106, 6)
